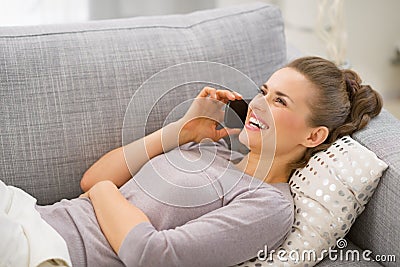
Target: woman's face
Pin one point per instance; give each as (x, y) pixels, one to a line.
(286, 94)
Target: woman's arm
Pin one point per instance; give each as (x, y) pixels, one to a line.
(120, 164)
(198, 123)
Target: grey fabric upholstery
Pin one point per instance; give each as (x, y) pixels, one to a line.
(377, 228)
(65, 89)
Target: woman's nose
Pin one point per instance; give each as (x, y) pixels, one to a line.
(260, 103)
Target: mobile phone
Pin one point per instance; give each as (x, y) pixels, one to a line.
(235, 113)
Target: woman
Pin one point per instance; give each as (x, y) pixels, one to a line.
(311, 104)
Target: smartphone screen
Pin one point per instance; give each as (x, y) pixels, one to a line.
(235, 113)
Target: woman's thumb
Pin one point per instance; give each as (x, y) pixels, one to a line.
(229, 131)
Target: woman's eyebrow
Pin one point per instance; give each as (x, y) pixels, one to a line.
(279, 93)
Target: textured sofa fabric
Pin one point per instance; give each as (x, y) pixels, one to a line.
(65, 89)
(377, 228)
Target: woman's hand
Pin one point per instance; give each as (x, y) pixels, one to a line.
(204, 115)
(115, 214)
(101, 184)
(85, 195)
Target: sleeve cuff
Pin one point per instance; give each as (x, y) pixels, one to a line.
(134, 243)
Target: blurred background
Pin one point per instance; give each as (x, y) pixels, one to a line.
(360, 34)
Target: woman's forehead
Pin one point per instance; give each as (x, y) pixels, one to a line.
(289, 81)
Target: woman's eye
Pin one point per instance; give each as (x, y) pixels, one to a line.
(261, 91)
(280, 101)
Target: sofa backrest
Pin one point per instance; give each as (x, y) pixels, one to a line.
(377, 228)
(65, 88)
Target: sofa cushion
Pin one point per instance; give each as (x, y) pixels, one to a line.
(65, 88)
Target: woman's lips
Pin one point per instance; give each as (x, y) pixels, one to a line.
(253, 127)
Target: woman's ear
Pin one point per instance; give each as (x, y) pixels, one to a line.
(317, 136)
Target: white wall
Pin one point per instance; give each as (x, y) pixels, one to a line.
(103, 9)
(35, 12)
(373, 30)
(221, 3)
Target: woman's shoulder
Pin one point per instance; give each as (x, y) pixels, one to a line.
(268, 207)
(285, 189)
(279, 191)
(257, 192)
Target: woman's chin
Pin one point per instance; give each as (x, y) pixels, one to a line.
(255, 141)
(243, 138)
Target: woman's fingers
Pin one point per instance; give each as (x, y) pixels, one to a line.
(209, 103)
(208, 91)
(226, 95)
(222, 95)
(238, 96)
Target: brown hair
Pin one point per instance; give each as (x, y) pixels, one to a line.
(343, 104)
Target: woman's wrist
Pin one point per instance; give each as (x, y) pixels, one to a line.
(101, 187)
(184, 135)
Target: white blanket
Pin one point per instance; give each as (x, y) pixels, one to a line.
(26, 240)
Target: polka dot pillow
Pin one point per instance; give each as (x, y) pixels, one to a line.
(329, 194)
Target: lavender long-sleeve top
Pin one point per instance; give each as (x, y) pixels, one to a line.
(202, 210)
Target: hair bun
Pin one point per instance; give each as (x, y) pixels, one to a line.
(351, 87)
(353, 82)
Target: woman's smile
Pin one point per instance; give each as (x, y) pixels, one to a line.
(254, 123)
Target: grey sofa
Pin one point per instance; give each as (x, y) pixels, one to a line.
(64, 90)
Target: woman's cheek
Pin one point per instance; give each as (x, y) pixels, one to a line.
(287, 123)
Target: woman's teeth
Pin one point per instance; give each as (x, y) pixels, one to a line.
(257, 123)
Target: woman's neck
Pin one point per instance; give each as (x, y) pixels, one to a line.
(268, 169)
